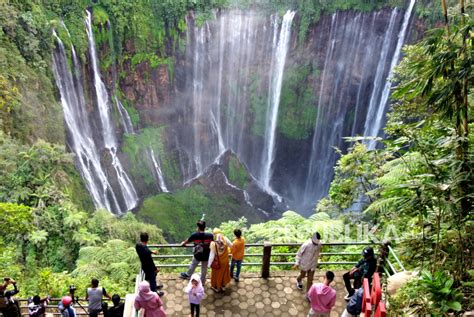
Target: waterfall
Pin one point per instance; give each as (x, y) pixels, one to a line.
(159, 174)
(280, 50)
(373, 125)
(313, 164)
(227, 91)
(108, 133)
(124, 117)
(80, 138)
(379, 78)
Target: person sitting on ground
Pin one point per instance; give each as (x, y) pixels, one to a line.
(322, 297)
(66, 308)
(220, 275)
(94, 297)
(195, 293)
(307, 260)
(202, 241)
(8, 306)
(365, 268)
(117, 309)
(237, 250)
(149, 301)
(37, 308)
(354, 306)
(147, 263)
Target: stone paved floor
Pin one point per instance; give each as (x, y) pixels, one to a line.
(252, 296)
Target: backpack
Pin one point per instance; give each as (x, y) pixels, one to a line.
(200, 247)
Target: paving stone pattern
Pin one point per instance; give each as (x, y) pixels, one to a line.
(252, 296)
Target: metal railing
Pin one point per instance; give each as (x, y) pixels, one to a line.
(266, 255)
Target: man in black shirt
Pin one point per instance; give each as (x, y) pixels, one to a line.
(202, 240)
(365, 268)
(148, 266)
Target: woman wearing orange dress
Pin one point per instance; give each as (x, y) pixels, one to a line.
(220, 249)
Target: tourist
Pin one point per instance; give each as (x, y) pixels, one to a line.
(117, 309)
(322, 297)
(148, 265)
(149, 301)
(365, 268)
(37, 308)
(219, 262)
(94, 296)
(66, 308)
(8, 306)
(354, 306)
(237, 250)
(201, 241)
(195, 292)
(307, 260)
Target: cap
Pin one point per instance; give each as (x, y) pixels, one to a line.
(315, 238)
(368, 251)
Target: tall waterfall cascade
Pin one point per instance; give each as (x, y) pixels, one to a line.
(108, 132)
(231, 89)
(81, 139)
(276, 74)
(374, 120)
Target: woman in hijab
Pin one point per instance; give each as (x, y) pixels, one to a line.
(220, 276)
(149, 301)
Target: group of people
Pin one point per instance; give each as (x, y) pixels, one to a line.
(37, 306)
(94, 297)
(323, 297)
(210, 250)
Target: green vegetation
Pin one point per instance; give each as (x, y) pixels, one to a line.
(421, 181)
(238, 174)
(258, 105)
(177, 213)
(47, 224)
(137, 147)
(297, 112)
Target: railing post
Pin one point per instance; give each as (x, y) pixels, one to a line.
(267, 254)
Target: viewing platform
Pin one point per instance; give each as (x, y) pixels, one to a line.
(252, 296)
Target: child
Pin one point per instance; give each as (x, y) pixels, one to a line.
(238, 247)
(195, 293)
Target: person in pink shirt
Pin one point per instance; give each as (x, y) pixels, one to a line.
(149, 301)
(322, 297)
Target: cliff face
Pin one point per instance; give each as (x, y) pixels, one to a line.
(173, 117)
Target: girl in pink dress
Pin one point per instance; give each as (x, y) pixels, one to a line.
(149, 301)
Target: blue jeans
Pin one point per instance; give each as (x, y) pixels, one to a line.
(237, 263)
(193, 266)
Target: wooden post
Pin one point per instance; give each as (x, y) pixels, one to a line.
(267, 254)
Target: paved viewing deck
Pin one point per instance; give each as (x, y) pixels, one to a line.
(252, 296)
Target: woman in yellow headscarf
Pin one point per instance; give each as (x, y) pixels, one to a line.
(220, 277)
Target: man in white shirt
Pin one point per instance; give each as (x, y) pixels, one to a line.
(307, 260)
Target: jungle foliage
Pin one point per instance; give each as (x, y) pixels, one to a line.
(420, 179)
